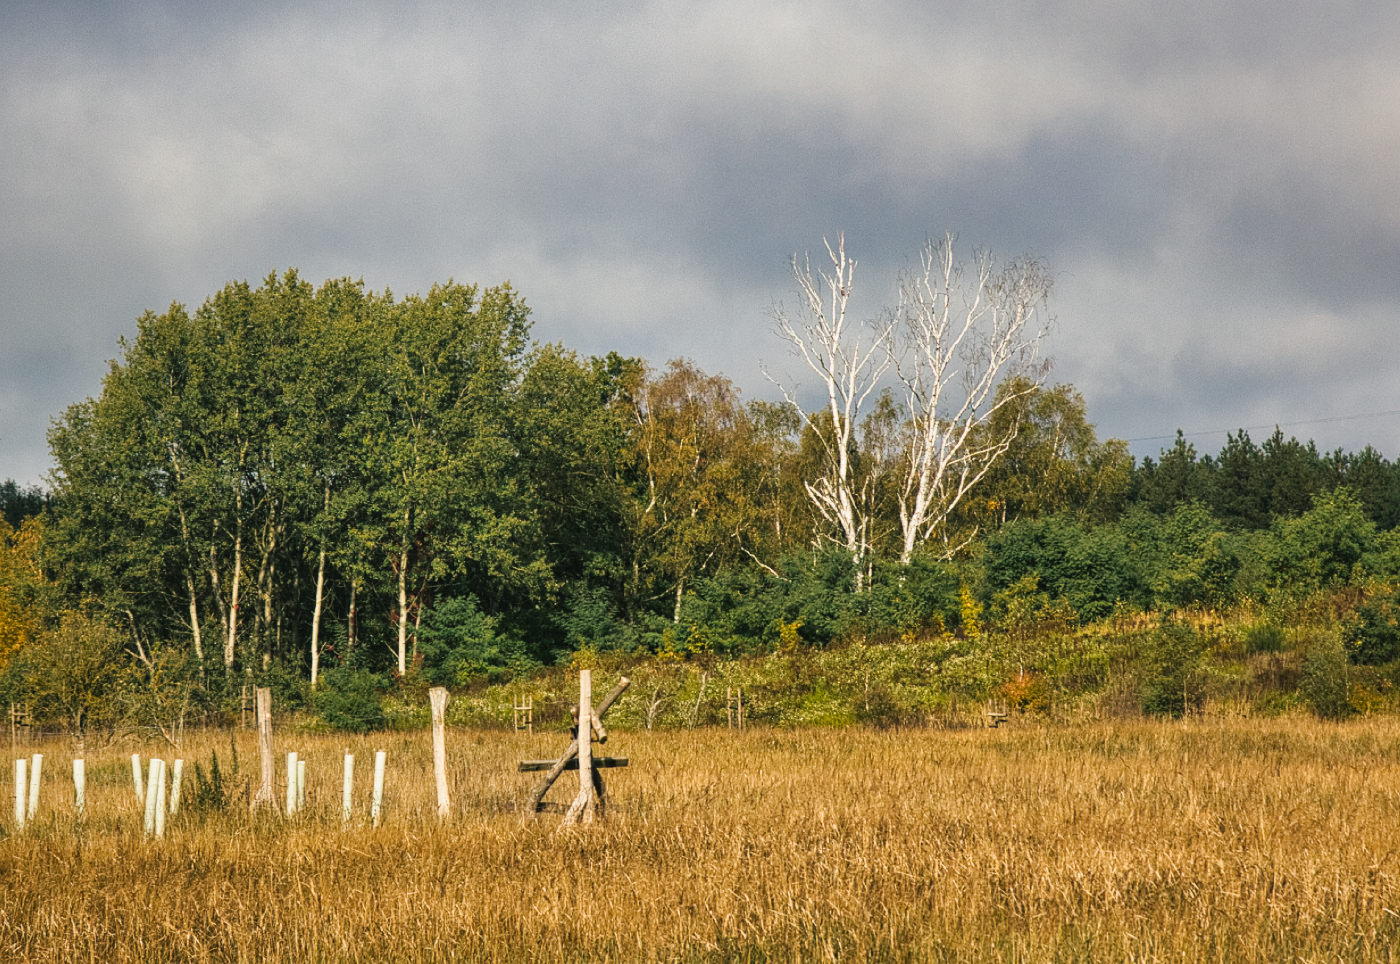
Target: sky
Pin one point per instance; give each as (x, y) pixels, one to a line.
(1214, 185)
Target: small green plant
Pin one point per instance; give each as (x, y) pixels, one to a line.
(211, 791)
(1264, 638)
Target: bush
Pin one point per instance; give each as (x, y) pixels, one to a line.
(1173, 656)
(350, 699)
(1323, 684)
(1373, 633)
(1094, 569)
(459, 644)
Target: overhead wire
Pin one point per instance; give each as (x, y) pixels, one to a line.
(1253, 428)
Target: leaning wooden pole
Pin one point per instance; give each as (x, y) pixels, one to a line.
(547, 781)
(265, 796)
(438, 696)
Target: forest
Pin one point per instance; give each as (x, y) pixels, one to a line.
(345, 495)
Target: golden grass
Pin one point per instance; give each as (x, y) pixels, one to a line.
(1227, 840)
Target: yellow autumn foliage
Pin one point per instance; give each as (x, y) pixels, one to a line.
(19, 571)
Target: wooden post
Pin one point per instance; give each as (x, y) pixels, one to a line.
(291, 783)
(438, 696)
(136, 778)
(177, 775)
(377, 801)
(36, 766)
(80, 787)
(149, 826)
(583, 805)
(347, 786)
(525, 715)
(265, 796)
(159, 790)
(741, 709)
(301, 785)
(21, 797)
(532, 807)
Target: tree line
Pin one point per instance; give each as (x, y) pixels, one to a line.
(294, 479)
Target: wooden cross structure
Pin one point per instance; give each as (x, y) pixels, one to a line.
(592, 795)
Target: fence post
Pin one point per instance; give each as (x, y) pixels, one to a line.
(136, 779)
(21, 797)
(36, 766)
(301, 785)
(80, 787)
(263, 699)
(438, 696)
(583, 805)
(347, 786)
(377, 802)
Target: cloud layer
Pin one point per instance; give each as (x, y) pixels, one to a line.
(1211, 183)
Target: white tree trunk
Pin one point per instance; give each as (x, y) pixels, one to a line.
(966, 332)
(849, 360)
(316, 617)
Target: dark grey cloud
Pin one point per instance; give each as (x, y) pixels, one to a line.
(1212, 183)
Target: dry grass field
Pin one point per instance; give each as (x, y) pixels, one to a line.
(1211, 840)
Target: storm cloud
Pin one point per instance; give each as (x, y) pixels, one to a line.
(1212, 184)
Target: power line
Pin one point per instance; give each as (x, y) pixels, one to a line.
(1254, 428)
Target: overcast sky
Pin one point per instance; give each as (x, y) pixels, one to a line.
(1215, 184)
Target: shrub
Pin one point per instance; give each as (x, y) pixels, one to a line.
(350, 699)
(1323, 684)
(1373, 633)
(1173, 656)
(460, 643)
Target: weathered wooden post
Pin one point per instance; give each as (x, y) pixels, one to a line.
(347, 786)
(301, 785)
(263, 710)
(36, 766)
(586, 800)
(80, 787)
(438, 696)
(291, 783)
(175, 779)
(136, 779)
(21, 796)
(377, 801)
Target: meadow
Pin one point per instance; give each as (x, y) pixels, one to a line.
(1209, 839)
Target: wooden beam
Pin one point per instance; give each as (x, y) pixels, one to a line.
(536, 766)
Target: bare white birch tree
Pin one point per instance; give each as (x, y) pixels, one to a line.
(963, 330)
(850, 360)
